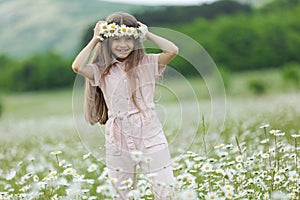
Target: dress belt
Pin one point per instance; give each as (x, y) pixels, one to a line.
(123, 117)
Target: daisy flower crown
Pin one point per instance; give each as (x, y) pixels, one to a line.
(114, 30)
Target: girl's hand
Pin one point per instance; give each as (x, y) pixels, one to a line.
(97, 29)
(144, 29)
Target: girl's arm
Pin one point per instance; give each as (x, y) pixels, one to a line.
(170, 50)
(81, 60)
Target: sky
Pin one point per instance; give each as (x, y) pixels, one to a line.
(164, 2)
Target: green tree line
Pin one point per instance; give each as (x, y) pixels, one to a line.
(267, 37)
(37, 72)
(184, 14)
(246, 42)
(239, 39)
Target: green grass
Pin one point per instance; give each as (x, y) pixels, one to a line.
(38, 104)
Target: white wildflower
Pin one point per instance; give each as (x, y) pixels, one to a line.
(265, 126)
(74, 191)
(293, 176)
(93, 167)
(295, 135)
(127, 182)
(189, 195)
(277, 195)
(239, 166)
(148, 159)
(211, 195)
(229, 194)
(11, 175)
(273, 132)
(56, 152)
(133, 194)
(207, 167)
(35, 178)
(278, 179)
(239, 159)
(136, 156)
(86, 155)
(228, 188)
(69, 171)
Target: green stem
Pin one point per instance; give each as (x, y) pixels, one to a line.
(268, 145)
(57, 160)
(276, 156)
(296, 156)
(238, 145)
(204, 132)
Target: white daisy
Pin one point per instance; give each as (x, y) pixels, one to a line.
(293, 176)
(295, 135)
(69, 171)
(206, 167)
(229, 194)
(93, 167)
(112, 30)
(136, 156)
(74, 191)
(148, 159)
(127, 182)
(239, 166)
(211, 195)
(265, 126)
(239, 159)
(123, 30)
(227, 188)
(133, 194)
(103, 28)
(189, 195)
(55, 152)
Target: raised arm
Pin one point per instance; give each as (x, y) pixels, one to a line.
(170, 50)
(81, 60)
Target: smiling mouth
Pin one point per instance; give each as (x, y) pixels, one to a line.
(123, 51)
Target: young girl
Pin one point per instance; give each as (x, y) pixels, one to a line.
(120, 83)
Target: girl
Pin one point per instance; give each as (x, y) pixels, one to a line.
(119, 92)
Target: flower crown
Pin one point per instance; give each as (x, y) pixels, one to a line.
(115, 30)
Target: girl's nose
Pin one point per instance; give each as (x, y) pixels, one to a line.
(122, 42)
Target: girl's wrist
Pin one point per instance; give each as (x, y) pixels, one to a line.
(95, 40)
(148, 35)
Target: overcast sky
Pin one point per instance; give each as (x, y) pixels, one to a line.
(164, 2)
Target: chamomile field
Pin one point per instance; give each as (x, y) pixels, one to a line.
(244, 145)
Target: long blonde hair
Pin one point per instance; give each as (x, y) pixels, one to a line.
(95, 107)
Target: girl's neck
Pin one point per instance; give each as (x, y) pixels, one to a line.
(121, 59)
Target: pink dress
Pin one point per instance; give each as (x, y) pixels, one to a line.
(129, 131)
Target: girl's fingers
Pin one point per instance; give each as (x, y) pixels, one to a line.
(140, 23)
(98, 23)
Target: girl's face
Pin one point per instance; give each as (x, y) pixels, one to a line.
(121, 47)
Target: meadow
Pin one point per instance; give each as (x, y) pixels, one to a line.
(254, 154)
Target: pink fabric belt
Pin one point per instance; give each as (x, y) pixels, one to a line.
(125, 126)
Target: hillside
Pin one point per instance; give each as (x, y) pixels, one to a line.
(29, 26)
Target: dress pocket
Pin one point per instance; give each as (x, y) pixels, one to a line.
(153, 133)
(112, 138)
(154, 140)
